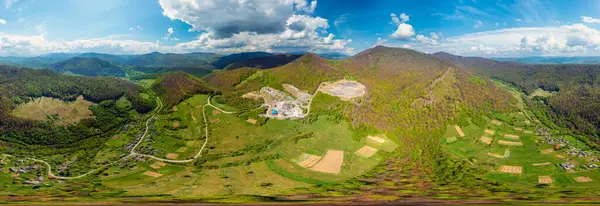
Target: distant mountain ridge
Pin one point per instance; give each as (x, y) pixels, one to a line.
(88, 67)
(265, 62)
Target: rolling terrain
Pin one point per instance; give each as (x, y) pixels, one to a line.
(385, 125)
(573, 88)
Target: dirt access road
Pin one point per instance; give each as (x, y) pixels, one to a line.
(133, 152)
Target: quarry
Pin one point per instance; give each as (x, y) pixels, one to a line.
(295, 103)
(281, 105)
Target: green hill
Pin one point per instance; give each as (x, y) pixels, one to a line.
(224, 61)
(88, 67)
(576, 86)
(174, 87)
(264, 62)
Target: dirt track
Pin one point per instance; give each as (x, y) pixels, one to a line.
(133, 153)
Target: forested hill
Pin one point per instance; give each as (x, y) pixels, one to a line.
(264, 62)
(88, 67)
(156, 59)
(577, 86)
(174, 87)
(19, 85)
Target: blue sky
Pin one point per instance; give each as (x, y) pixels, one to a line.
(491, 28)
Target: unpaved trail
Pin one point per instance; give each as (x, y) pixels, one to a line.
(133, 152)
(428, 98)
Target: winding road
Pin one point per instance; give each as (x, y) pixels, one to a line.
(133, 152)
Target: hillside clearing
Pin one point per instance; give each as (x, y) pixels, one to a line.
(61, 112)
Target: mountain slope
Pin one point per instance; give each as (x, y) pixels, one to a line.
(176, 86)
(224, 61)
(113, 59)
(307, 72)
(156, 59)
(88, 67)
(577, 87)
(401, 77)
(266, 62)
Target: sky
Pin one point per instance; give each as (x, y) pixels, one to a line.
(488, 28)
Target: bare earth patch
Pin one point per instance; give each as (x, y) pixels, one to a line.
(176, 125)
(547, 151)
(252, 95)
(152, 174)
(181, 149)
(542, 164)
(174, 108)
(344, 89)
(158, 165)
(215, 112)
(509, 143)
(44, 107)
(486, 140)
(521, 113)
(299, 94)
(495, 155)
(496, 122)
(116, 137)
(193, 117)
(376, 139)
(214, 120)
(511, 136)
(544, 180)
(527, 122)
(366, 151)
(308, 160)
(511, 169)
(331, 163)
(559, 156)
(518, 129)
(583, 179)
(490, 132)
(172, 156)
(459, 130)
(252, 121)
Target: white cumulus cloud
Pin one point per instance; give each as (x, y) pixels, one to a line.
(169, 35)
(2, 21)
(404, 31)
(590, 20)
(254, 25)
(567, 40)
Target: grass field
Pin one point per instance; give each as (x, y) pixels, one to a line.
(241, 158)
(179, 132)
(61, 112)
(521, 124)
